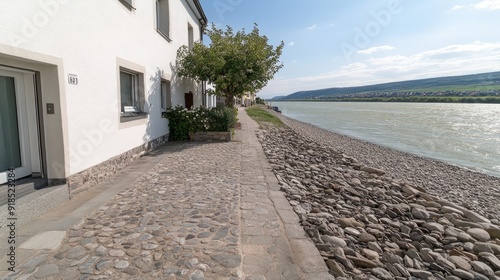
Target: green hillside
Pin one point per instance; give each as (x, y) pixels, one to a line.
(487, 84)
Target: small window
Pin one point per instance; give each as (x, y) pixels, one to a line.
(129, 92)
(128, 3)
(190, 37)
(165, 95)
(163, 18)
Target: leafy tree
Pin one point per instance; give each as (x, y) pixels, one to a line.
(234, 63)
(259, 100)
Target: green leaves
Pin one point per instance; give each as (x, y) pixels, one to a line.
(236, 63)
(183, 121)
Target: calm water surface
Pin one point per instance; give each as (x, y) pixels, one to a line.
(460, 134)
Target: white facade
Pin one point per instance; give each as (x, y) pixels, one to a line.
(77, 56)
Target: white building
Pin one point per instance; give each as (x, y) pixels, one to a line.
(83, 84)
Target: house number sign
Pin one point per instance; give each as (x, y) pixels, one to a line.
(72, 79)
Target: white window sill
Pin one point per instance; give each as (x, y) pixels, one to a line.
(132, 116)
(165, 36)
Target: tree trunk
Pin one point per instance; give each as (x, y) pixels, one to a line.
(229, 100)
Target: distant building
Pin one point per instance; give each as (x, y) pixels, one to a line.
(83, 84)
(247, 99)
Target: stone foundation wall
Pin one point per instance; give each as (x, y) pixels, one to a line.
(96, 174)
(208, 136)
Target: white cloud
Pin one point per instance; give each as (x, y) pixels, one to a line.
(482, 5)
(458, 7)
(312, 27)
(477, 57)
(376, 49)
(488, 4)
(291, 43)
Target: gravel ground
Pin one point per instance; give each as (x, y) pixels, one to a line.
(473, 190)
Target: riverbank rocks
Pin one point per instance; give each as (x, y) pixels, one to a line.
(369, 225)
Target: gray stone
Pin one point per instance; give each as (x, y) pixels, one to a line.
(492, 259)
(375, 247)
(475, 217)
(451, 231)
(480, 247)
(382, 273)
(197, 275)
(352, 231)
(448, 209)
(420, 213)
(482, 268)
(149, 246)
(479, 234)
(446, 263)
(336, 241)
(226, 260)
(465, 237)
(479, 276)
(204, 235)
(101, 264)
(122, 264)
(46, 271)
(391, 258)
(462, 274)
(403, 270)
(422, 274)
(101, 251)
(75, 252)
(370, 254)
(434, 227)
(460, 262)
(366, 237)
(349, 222)
(426, 255)
(335, 268)
(362, 262)
(116, 253)
(34, 262)
(87, 267)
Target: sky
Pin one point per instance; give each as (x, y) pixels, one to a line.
(340, 43)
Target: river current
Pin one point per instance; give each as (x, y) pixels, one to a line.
(467, 135)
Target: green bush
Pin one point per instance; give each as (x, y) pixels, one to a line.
(183, 121)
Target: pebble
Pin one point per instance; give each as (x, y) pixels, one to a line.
(479, 234)
(382, 224)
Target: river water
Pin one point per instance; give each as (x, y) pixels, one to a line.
(461, 134)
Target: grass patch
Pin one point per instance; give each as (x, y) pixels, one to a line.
(263, 117)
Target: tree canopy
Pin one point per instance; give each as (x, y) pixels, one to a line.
(235, 63)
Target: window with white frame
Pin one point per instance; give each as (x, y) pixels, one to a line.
(129, 92)
(165, 95)
(163, 18)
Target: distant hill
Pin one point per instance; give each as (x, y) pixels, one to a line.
(277, 97)
(455, 85)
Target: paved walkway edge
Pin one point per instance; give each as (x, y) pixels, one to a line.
(305, 255)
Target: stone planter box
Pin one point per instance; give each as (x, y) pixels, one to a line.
(210, 136)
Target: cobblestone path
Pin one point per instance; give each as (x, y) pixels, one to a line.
(205, 211)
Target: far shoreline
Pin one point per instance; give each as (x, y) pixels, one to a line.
(417, 99)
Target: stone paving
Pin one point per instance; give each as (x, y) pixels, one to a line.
(205, 211)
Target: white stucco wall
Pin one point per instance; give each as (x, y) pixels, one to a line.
(88, 37)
